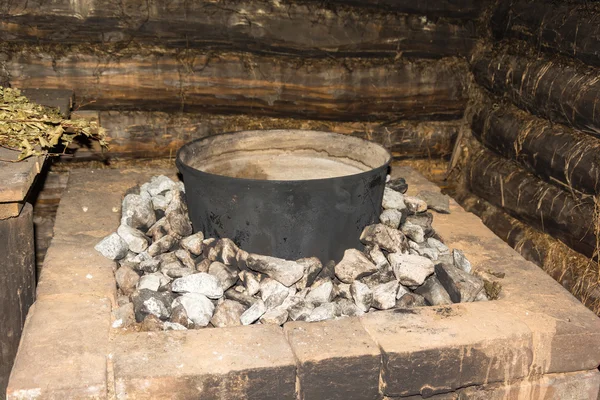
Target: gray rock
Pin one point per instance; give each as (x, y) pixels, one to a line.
(438, 245)
(384, 295)
(227, 251)
(391, 217)
(203, 265)
(135, 239)
(179, 316)
(123, 316)
(150, 282)
(151, 323)
(445, 259)
(159, 202)
(159, 185)
(347, 308)
(342, 291)
(413, 232)
(269, 286)
(300, 311)
(209, 249)
(481, 296)
(227, 313)
(158, 230)
(461, 286)
(162, 279)
(122, 300)
(284, 271)
(409, 269)
(398, 184)
(172, 326)
(226, 274)
(148, 302)
(198, 308)
(193, 243)
(200, 283)
(460, 261)
(162, 245)
(401, 291)
(392, 199)
(185, 258)
(411, 300)
(250, 281)
(127, 279)
(320, 292)
(384, 275)
(137, 212)
(424, 220)
(149, 266)
(433, 291)
(376, 255)
(362, 295)
(275, 316)
(253, 313)
(240, 297)
(436, 201)
(176, 214)
(384, 237)
(323, 312)
(240, 259)
(415, 205)
(173, 271)
(428, 252)
(112, 247)
(354, 265)
(275, 300)
(312, 268)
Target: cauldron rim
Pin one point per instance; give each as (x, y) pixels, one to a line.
(195, 171)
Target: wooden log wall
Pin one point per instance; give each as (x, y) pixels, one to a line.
(363, 65)
(534, 162)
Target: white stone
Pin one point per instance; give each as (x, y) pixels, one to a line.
(201, 283)
(354, 265)
(362, 295)
(321, 292)
(391, 217)
(392, 199)
(384, 295)
(250, 281)
(135, 239)
(415, 204)
(193, 243)
(253, 313)
(150, 282)
(323, 312)
(410, 270)
(160, 185)
(460, 261)
(413, 232)
(285, 271)
(198, 307)
(438, 245)
(112, 247)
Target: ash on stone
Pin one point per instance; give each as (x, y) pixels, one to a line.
(171, 278)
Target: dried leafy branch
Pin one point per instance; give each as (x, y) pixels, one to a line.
(36, 130)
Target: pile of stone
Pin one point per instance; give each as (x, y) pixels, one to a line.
(173, 279)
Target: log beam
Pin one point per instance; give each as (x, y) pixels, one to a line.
(136, 134)
(554, 152)
(566, 28)
(548, 208)
(561, 93)
(166, 80)
(290, 28)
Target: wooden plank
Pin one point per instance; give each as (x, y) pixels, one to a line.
(566, 28)
(306, 29)
(17, 177)
(136, 134)
(561, 93)
(17, 279)
(565, 216)
(554, 152)
(349, 89)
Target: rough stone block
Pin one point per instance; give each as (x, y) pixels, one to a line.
(253, 362)
(76, 268)
(336, 360)
(438, 349)
(63, 350)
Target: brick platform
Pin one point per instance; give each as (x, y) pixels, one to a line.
(535, 342)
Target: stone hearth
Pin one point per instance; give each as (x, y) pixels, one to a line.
(535, 342)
